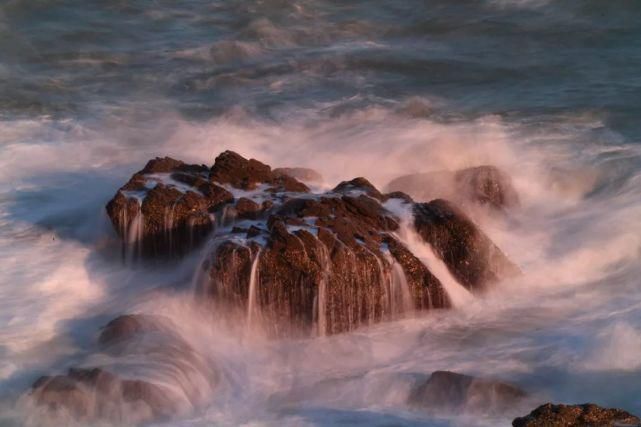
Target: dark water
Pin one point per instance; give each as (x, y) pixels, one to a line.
(548, 90)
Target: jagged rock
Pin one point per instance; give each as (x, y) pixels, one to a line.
(247, 208)
(231, 168)
(485, 185)
(164, 208)
(359, 186)
(301, 174)
(469, 254)
(446, 391)
(586, 415)
(167, 208)
(324, 264)
(100, 394)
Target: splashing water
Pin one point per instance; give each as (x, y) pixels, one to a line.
(400, 297)
(370, 89)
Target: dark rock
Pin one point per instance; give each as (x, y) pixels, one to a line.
(322, 263)
(127, 326)
(446, 391)
(469, 254)
(253, 232)
(164, 209)
(358, 185)
(167, 165)
(90, 395)
(426, 290)
(484, 185)
(99, 394)
(586, 415)
(301, 174)
(247, 208)
(326, 266)
(232, 168)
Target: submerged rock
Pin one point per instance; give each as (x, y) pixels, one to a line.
(485, 185)
(127, 326)
(446, 391)
(151, 374)
(94, 394)
(586, 415)
(472, 258)
(302, 174)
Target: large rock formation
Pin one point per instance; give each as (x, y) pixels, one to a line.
(469, 254)
(586, 415)
(484, 185)
(328, 263)
(446, 391)
(162, 376)
(310, 263)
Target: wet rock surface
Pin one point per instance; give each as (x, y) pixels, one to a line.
(95, 394)
(586, 415)
(164, 209)
(299, 262)
(484, 185)
(152, 375)
(446, 391)
(472, 258)
(168, 208)
(231, 168)
(323, 265)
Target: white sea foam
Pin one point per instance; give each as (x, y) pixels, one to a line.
(578, 256)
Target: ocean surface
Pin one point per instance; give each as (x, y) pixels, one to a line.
(549, 91)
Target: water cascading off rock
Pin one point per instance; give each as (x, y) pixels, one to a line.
(293, 262)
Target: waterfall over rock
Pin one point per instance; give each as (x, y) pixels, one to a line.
(303, 263)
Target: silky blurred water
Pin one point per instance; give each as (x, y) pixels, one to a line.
(547, 90)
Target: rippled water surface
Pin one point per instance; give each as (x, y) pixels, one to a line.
(547, 90)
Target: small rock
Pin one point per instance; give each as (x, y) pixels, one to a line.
(482, 185)
(143, 344)
(452, 392)
(586, 415)
(358, 185)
